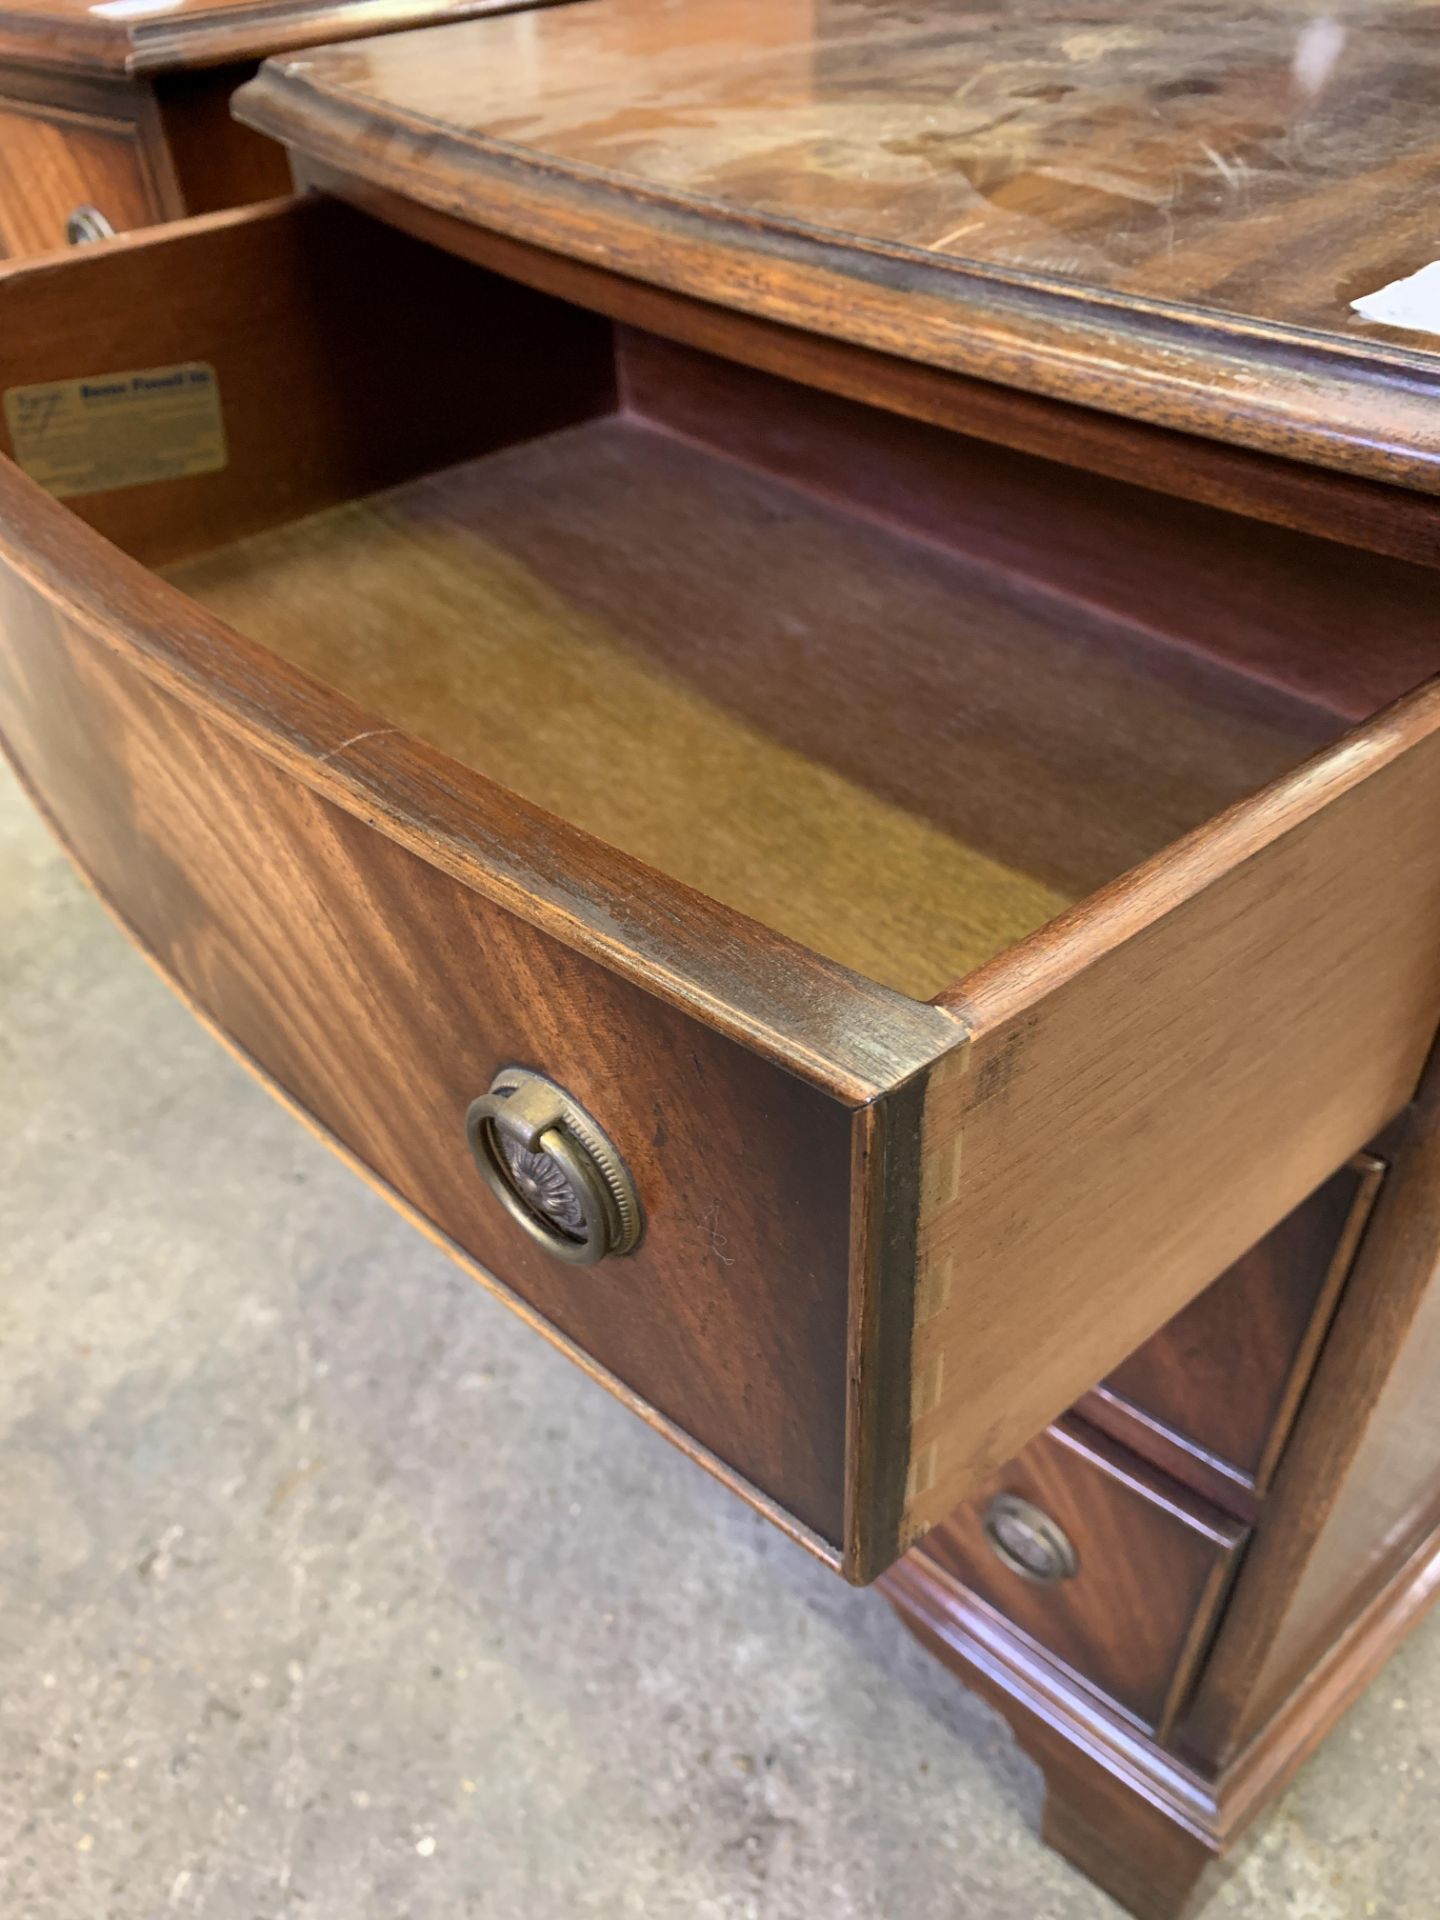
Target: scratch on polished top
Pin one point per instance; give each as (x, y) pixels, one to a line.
(1162, 210)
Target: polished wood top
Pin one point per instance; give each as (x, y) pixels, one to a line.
(1160, 210)
(149, 36)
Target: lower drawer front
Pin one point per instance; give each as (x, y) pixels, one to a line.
(1101, 1561)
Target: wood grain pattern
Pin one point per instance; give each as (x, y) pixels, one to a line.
(1148, 1825)
(834, 1037)
(1108, 214)
(1147, 1010)
(1269, 488)
(540, 592)
(128, 108)
(1145, 1026)
(1357, 1489)
(824, 1023)
(76, 36)
(1078, 208)
(383, 996)
(1344, 629)
(1234, 1019)
(365, 336)
(778, 1516)
(1344, 1560)
(1210, 1398)
(140, 150)
(577, 629)
(1154, 1563)
(54, 161)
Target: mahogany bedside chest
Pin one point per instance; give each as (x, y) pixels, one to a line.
(776, 656)
(116, 114)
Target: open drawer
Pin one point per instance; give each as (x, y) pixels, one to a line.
(963, 963)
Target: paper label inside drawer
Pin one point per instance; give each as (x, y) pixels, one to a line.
(109, 430)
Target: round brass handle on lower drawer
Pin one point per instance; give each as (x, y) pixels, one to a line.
(552, 1168)
(1028, 1541)
(87, 224)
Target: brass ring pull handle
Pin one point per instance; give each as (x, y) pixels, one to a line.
(552, 1169)
(1028, 1541)
(87, 224)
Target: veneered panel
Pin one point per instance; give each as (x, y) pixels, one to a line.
(383, 996)
(52, 163)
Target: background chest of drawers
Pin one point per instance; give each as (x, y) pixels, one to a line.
(847, 819)
(117, 115)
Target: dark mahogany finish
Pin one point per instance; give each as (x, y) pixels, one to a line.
(1153, 1564)
(575, 558)
(1343, 1560)
(395, 997)
(785, 605)
(381, 928)
(1105, 209)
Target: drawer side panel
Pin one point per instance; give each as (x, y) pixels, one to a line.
(1158, 1079)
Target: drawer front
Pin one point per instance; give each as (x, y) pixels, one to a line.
(1131, 1568)
(383, 996)
(382, 929)
(1211, 1396)
(52, 163)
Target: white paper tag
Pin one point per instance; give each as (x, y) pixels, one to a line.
(1413, 302)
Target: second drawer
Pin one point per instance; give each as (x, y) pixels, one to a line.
(1105, 1563)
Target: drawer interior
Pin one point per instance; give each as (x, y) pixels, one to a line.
(900, 757)
(897, 695)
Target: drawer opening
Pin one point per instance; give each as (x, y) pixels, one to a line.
(865, 681)
(894, 756)
(900, 757)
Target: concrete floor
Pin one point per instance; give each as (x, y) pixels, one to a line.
(327, 1590)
